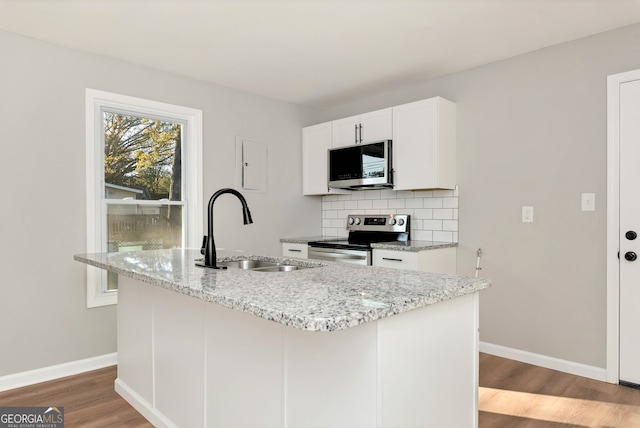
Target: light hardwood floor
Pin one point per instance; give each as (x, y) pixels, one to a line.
(512, 394)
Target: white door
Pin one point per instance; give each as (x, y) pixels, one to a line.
(629, 235)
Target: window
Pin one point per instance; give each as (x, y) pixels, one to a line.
(144, 179)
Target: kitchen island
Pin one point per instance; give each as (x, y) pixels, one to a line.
(326, 345)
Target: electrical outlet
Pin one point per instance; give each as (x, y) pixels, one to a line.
(588, 202)
(527, 214)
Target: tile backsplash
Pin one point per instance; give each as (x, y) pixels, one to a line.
(434, 213)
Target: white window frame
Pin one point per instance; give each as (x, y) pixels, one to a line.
(95, 101)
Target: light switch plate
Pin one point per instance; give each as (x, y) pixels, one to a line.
(588, 202)
(527, 214)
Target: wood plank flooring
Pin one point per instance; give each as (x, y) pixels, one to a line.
(89, 400)
(512, 394)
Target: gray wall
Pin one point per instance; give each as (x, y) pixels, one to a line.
(43, 315)
(532, 131)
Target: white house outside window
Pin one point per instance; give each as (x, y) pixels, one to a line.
(143, 180)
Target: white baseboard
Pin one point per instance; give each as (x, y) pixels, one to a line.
(18, 380)
(545, 361)
(143, 407)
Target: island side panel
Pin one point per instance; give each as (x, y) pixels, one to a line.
(135, 350)
(331, 378)
(178, 334)
(244, 370)
(429, 366)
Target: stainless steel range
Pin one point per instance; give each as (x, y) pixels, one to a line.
(363, 231)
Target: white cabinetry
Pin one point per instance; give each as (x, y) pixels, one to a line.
(316, 141)
(365, 128)
(424, 145)
(295, 250)
(440, 260)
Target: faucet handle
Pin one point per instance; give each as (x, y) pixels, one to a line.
(204, 245)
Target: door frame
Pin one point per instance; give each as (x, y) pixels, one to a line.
(613, 221)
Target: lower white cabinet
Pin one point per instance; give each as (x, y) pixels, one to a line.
(439, 260)
(295, 250)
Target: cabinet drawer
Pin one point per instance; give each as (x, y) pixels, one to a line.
(396, 259)
(437, 260)
(295, 250)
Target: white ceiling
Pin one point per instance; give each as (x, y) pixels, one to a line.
(313, 52)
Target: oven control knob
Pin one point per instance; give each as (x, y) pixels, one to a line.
(356, 221)
(350, 220)
(392, 221)
(400, 221)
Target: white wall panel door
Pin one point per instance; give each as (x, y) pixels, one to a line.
(629, 133)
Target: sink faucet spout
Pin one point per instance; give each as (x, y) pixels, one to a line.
(209, 245)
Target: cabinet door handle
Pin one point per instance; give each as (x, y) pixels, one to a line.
(392, 259)
(355, 127)
(294, 250)
(361, 133)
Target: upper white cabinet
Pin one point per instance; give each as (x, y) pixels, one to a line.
(316, 141)
(424, 145)
(364, 128)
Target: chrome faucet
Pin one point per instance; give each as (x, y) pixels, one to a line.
(208, 244)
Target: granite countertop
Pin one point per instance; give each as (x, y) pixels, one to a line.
(412, 246)
(327, 297)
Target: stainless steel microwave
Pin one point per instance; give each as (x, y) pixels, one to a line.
(361, 166)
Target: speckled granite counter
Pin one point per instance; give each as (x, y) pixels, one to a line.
(412, 246)
(326, 297)
(307, 239)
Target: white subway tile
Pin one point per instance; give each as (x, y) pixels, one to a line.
(455, 237)
(338, 205)
(450, 202)
(389, 211)
(357, 196)
(443, 236)
(372, 194)
(442, 193)
(331, 214)
(338, 223)
(424, 214)
(330, 198)
(396, 203)
(345, 197)
(433, 202)
(422, 235)
(326, 222)
(343, 214)
(416, 224)
(350, 205)
(443, 213)
(406, 211)
(387, 194)
(380, 203)
(455, 214)
(365, 204)
(432, 224)
(414, 203)
(372, 212)
(451, 225)
(405, 194)
(326, 205)
(423, 193)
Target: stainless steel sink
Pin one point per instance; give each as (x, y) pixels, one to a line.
(261, 265)
(247, 264)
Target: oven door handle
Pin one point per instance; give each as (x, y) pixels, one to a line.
(325, 255)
